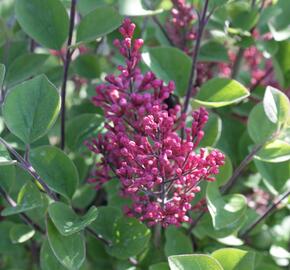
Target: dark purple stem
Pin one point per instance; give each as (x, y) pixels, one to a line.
(66, 64)
(201, 25)
(269, 210)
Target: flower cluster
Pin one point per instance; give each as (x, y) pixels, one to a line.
(180, 26)
(159, 169)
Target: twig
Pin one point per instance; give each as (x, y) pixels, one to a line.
(240, 168)
(164, 32)
(202, 21)
(269, 210)
(23, 216)
(195, 221)
(67, 61)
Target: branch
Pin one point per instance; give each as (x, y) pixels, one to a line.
(237, 63)
(201, 25)
(254, 86)
(67, 61)
(164, 32)
(27, 166)
(23, 216)
(269, 210)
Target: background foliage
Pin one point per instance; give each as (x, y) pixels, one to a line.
(54, 53)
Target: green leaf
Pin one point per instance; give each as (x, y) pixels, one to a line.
(227, 211)
(2, 74)
(81, 128)
(104, 224)
(86, 65)
(235, 259)
(219, 92)
(7, 177)
(176, 242)
(274, 151)
(29, 198)
(281, 61)
(69, 250)
(276, 105)
(56, 169)
(5, 158)
(169, 64)
(212, 131)
(5, 244)
(130, 237)
(196, 262)
(48, 261)
(98, 23)
(260, 128)
(31, 108)
(159, 266)
(213, 51)
(67, 221)
(246, 20)
(21, 233)
(135, 8)
(45, 21)
(25, 66)
(275, 175)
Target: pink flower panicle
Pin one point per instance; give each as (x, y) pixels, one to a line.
(158, 170)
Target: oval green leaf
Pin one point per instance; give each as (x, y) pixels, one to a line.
(196, 262)
(56, 169)
(98, 23)
(31, 108)
(69, 250)
(45, 21)
(220, 92)
(169, 63)
(21, 233)
(130, 237)
(67, 221)
(135, 8)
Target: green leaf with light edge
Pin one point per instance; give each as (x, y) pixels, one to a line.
(104, 223)
(212, 131)
(21, 233)
(67, 221)
(176, 242)
(235, 259)
(87, 66)
(276, 105)
(56, 169)
(29, 198)
(31, 108)
(25, 66)
(274, 151)
(2, 74)
(49, 23)
(226, 211)
(196, 262)
(82, 128)
(69, 250)
(220, 92)
(48, 261)
(260, 128)
(135, 8)
(96, 24)
(169, 63)
(130, 238)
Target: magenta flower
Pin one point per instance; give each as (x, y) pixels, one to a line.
(158, 169)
